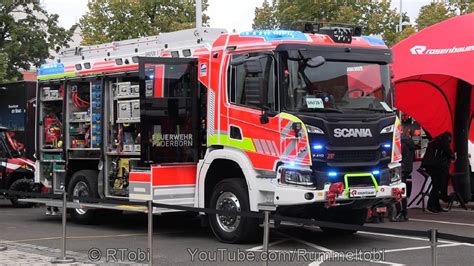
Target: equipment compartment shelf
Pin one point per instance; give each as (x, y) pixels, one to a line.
(53, 161)
(127, 121)
(52, 100)
(51, 150)
(123, 153)
(80, 121)
(136, 96)
(84, 149)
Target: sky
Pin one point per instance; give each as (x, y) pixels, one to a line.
(228, 14)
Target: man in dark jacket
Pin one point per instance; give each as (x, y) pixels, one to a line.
(408, 156)
(436, 161)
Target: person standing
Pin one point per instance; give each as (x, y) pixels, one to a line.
(436, 161)
(408, 156)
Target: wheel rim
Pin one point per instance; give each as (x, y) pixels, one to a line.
(80, 190)
(228, 201)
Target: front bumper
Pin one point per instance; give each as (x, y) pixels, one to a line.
(292, 195)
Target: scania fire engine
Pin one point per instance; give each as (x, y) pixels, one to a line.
(301, 121)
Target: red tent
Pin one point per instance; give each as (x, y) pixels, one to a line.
(434, 75)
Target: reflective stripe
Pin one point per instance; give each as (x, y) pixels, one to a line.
(289, 148)
(264, 146)
(257, 145)
(276, 148)
(286, 129)
(270, 146)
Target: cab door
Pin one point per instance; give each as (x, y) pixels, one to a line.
(253, 120)
(169, 110)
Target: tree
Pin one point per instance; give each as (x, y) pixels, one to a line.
(265, 16)
(113, 20)
(27, 34)
(375, 17)
(3, 68)
(432, 14)
(461, 7)
(407, 32)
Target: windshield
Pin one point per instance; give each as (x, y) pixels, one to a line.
(315, 84)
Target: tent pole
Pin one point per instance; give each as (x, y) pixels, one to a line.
(461, 180)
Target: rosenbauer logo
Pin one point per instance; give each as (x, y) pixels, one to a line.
(423, 50)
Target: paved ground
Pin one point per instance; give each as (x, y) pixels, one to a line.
(32, 237)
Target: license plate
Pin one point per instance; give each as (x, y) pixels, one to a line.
(361, 192)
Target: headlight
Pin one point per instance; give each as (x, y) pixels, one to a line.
(315, 130)
(387, 129)
(296, 177)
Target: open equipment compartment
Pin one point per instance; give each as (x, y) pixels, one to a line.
(122, 132)
(50, 117)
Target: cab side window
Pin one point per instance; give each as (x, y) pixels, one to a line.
(3, 150)
(251, 79)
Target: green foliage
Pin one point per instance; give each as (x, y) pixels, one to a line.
(113, 20)
(374, 17)
(432, 14)
(461, 6)
(3, 67)
(407, 32)
(27, 33)
(265, 16)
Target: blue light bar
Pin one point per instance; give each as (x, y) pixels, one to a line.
(376, 172)
(332, 174)
(292, 163)
(151, 76)
(374, 41)
(318, 147)
(50, 69)
(387, 145)
(276, 35)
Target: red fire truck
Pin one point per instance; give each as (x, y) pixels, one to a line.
(298, 120)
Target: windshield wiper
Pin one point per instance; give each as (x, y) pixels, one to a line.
(321, 110)
(369, 109)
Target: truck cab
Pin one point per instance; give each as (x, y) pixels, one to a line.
(308, 120)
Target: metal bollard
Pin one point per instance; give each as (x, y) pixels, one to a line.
(266, 234)
(266, 208)
(63, 258)
(434, 252)
(150, 232)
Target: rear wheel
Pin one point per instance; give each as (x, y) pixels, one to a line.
(21, 185)
(355, 217)
(83, 184)
(232, 195)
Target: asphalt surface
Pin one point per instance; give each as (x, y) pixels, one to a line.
(180, 240)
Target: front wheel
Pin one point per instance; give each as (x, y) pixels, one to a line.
(232, 195)
(21, 185)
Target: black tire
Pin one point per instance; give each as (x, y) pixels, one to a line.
(247, 229)
(355, 217)
(21, 185)
(85, 183)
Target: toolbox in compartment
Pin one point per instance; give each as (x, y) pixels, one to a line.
(124, 111)
(135, 106)
(126, 89)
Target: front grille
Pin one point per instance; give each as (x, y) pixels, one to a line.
(355, 156)
(360, 181)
